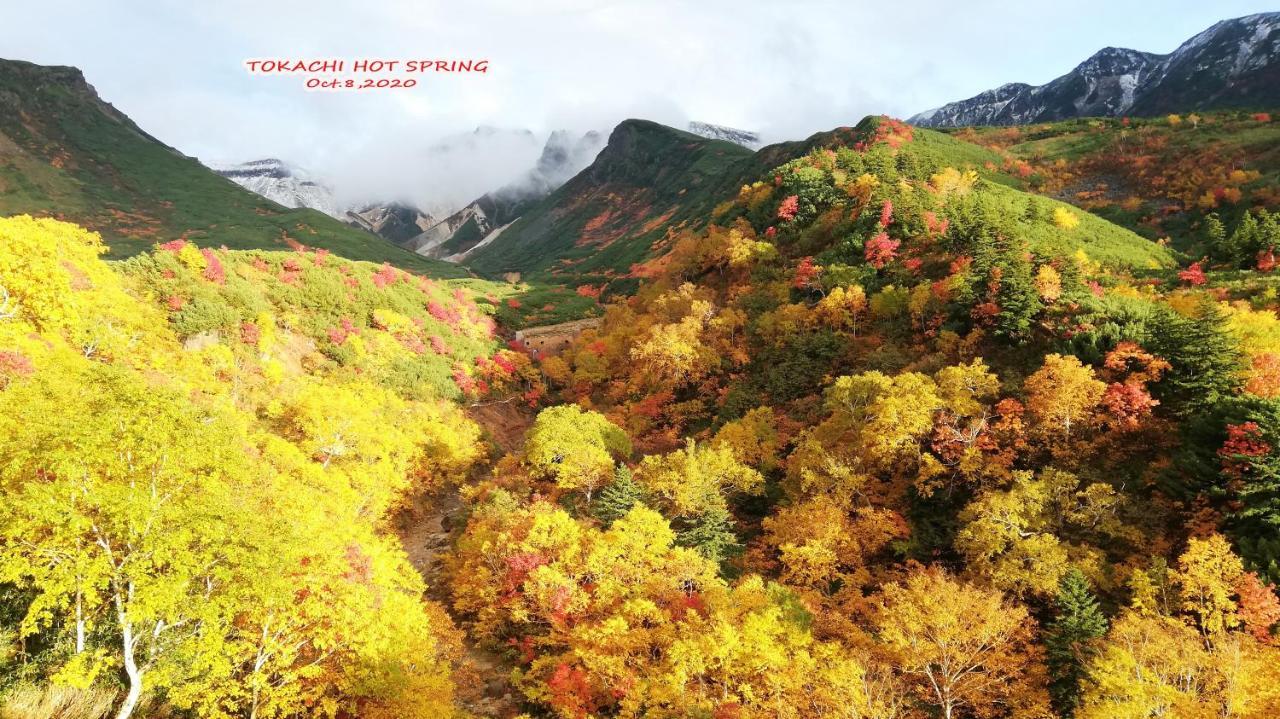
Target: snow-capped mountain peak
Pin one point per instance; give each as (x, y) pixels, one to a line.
(746, 138)
(284, 183)
(1234, 63)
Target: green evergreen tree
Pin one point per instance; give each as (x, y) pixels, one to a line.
(1246, 240)
(1268, 230)
(1253, 489)
(1070, 639)
(1206, 358)
(710, 533)
(615, 500)
(1215, 239)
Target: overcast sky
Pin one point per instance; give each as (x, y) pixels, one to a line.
(786, 69)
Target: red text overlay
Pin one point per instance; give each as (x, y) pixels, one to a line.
(364, 73)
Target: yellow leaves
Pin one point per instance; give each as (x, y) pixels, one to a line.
(692, 479)
(1065, 219)
(965, 645)
(965, 389)
(51, 278)
(1152, 665)
(1017, 539)
(1207, 573)
(842, 309)
(576, 448)
(951, 181)
(1063, 394)
(1048, 283)
(191, 257)
(753, 439)
(820, 541)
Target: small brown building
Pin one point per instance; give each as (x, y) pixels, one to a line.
(552, 339)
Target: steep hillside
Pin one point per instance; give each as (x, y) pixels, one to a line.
(651, 182)
(648, 178)
(1160, 178)
(398, 222)
(457, 235)
(1234, 64)
(67, 154)
(283, 184)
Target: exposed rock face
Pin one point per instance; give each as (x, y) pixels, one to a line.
(1235, 63)
(563, 156)
(281, 182)
(746, 138)
(397, 221)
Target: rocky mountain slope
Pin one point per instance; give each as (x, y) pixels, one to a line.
(1233, 64)
(651, 182)
(283, 183)
(66, 153)
(563, 156)
(395, 221)
(746, 138)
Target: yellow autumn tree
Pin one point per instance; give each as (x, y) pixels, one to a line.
(968, 649)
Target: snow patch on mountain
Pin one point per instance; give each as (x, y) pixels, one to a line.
(1234, 63)
(746, 138)
(283, 183)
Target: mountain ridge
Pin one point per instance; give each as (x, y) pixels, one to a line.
(66, 153)
(1232, 64)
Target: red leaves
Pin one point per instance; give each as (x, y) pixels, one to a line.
(571, 691)
(590, 291)
(386, 275)
(174, 246)
(439, 346)
(789, 207)
(806, 273)
(15, 364)
(1193, 275)
(880, 250)
(1266, 260)
(1259, 607)
(1128, 403)
(1262, 116)
(513, 303)
(934, 226)
(249, 333)
(518, 567)
(213, 269)
(1244, 443)
(175, 303)
(886, 214)
(889, 131)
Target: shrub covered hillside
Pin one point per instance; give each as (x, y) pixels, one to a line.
(200, 451)
(65, 153)
(890, 440)
(1189, 178)
(878, 436)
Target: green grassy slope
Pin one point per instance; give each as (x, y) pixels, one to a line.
(653, 179)
(649, 178)
(64, 153)
(1158, 177)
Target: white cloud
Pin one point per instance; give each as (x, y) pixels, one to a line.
(784, 68)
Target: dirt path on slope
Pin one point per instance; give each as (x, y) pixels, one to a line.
(428, 528)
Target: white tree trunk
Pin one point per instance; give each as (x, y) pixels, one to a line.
(128, 642)
(79, 623)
